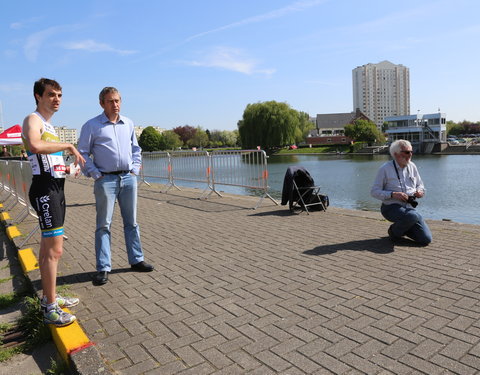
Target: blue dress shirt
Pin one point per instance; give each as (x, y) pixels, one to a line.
(109, 147)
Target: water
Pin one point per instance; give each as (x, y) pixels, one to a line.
(451, 182)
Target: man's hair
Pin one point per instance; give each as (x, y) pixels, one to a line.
(105, 91)
(397, 146)
(39, 86)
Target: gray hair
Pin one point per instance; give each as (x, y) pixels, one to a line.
(105, 91)
(397, 146)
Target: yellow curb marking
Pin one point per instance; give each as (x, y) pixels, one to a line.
(68, 338)
(13, 232)
(28, 260)
(5, 216)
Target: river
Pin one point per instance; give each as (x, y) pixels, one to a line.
(452, 182)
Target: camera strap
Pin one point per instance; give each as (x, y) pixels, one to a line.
(398, 176)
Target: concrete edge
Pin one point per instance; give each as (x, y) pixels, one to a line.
(71, 341)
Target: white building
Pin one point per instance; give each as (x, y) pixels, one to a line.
(381, 90)
(67, 135)
(423, 132)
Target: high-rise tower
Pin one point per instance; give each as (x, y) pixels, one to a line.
(381, 90)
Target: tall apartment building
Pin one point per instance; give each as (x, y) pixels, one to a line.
(67, 135)
(381, 90)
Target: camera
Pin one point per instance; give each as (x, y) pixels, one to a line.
(412, 200)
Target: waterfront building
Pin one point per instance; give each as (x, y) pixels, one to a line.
(381, 90)
(67, 135)
(423, 131)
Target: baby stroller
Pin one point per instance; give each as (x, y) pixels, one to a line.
(300, 192)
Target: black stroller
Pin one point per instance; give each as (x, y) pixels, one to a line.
(300, 192)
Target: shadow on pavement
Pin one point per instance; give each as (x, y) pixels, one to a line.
(377, 245)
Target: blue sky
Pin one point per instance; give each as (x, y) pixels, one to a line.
(179, 62)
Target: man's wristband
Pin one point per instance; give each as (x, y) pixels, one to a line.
(391, 194)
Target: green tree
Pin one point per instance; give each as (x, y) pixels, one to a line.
(304, 127)
(364, 131)
(170, 140)
(220, 138)
(150, 139)
(269, 125)
(199, 138)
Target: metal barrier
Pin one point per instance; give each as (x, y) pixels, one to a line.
(16, 178)
(191, 166)
(242, 168)
(156, 165)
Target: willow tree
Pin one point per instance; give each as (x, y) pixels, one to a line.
(269, 125)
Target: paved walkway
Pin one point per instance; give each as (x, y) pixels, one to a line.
(241, 291)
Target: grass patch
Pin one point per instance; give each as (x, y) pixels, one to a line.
(4, 327)
(7, 353)
(57, 368)
(6, 279)
(31, 322)
(9, 299)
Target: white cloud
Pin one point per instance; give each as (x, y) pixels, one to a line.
(277, 13)
(92, 46)
(24, 23)
(231, 59)
(35, 42)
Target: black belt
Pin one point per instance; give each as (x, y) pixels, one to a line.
(116, 172)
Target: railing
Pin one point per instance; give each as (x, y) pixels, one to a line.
(15, 179)
(241, 168)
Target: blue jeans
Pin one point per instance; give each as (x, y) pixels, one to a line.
(107, 189)
(407, 222)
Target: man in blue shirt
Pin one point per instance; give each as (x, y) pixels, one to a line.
(398, 185)
(113, 159)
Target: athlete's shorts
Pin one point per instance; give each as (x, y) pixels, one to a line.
(47, 197)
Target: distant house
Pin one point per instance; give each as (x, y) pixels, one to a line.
(330, 128)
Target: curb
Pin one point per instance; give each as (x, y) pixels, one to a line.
(72, 343)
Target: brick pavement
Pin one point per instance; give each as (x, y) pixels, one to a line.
(241, 291)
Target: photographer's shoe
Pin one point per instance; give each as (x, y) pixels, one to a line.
(391, 235)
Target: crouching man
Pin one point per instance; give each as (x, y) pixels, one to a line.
(398, 185)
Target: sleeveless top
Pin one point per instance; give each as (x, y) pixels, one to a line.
(46, 165)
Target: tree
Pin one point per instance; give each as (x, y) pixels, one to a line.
(150, 139)
(170, 140)
(219, 138)
(269, 125)
(199, 139)
(185, 133)
(364, 131)
(304, 127)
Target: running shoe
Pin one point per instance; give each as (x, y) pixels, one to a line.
(58, 317)
(61, 301)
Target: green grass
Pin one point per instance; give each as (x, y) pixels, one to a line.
(9, 299)
(6, 279)
(31, 322)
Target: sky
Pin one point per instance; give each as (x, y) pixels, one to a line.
(200, 63)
